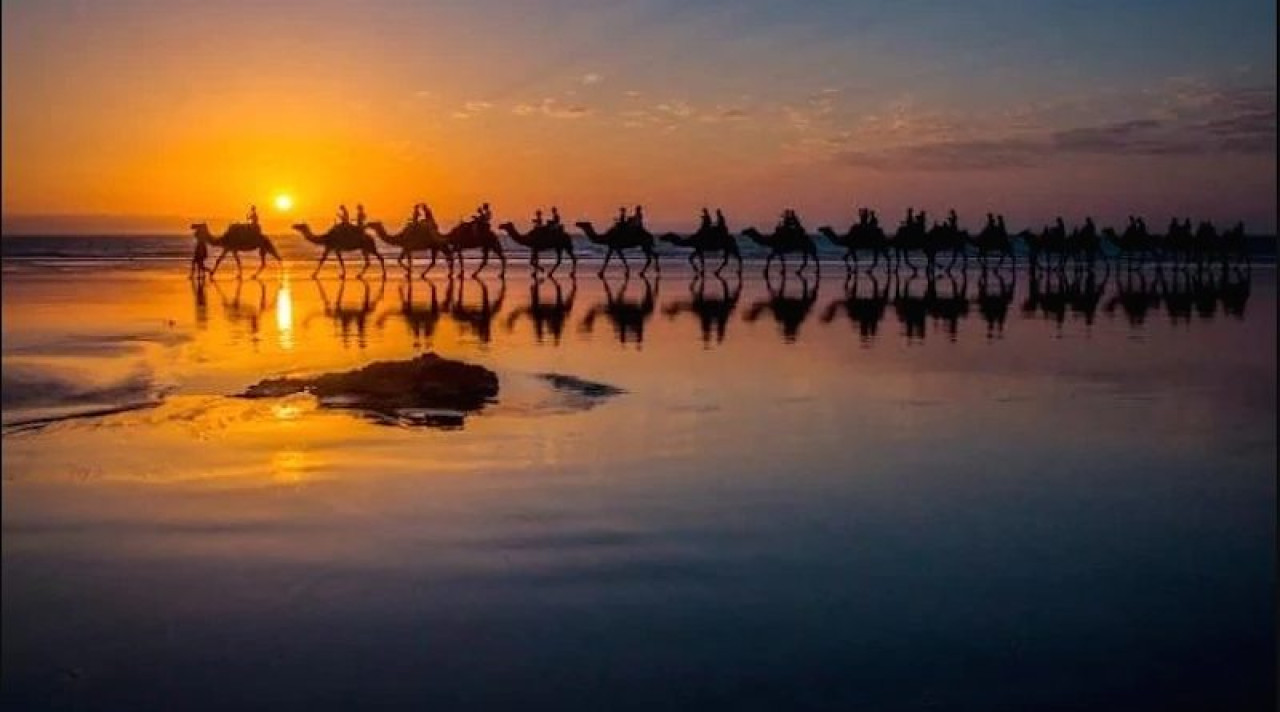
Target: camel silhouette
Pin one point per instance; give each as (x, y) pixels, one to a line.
(860, 236)
(239, 312)
(346, 316)
(548, 318)
(865, 312)
(713, 312)
(540, 238)
(783, 241)
(238, 238)
(708, 238)
(343, 237)
(475, 234)
(788, 310)
(620, 237)
(628, 316)
(994, 239)
(413, 237)
(1135, 296)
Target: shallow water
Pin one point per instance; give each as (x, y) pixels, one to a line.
(987, 492)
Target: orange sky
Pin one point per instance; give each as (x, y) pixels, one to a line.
(185, 111)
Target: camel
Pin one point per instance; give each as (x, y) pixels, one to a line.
(414, 237)
(543, 237)
(475, 235)
(943, 237)
(861, 236)
(788, 310)
(783, 241)
(713, 312)
(993, 304)
(627, 315)
(708, 238)
(619, 237)
(993, 239)
(238, 238)
(343, 237)
(546, 317)
(1135, 242)
(909, 237)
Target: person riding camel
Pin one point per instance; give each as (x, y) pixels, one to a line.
(637, 217)
(864, 216)
(705, 220)
(720, 221)
(622, 216)
(417, 210)
(555, 218)
(253, 215)
(1059, 227)
(953, 220)
(360, 216)
(344, 217)
(991, 221)
(537, 218)
(911, 218)
(920, 219)
(874, 219)
(1000, 224)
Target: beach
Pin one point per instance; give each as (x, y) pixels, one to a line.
(992, 490)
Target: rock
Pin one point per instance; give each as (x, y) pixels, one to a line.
(388, 387)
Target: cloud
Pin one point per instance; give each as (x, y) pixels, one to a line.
(476, 107)
(552, 108)
(1209, 123)
(591, 78)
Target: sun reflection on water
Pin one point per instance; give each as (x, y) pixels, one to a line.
(290, 466)
(284, 313)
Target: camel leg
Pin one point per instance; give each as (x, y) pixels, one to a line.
(323, 256)
(559, 259)
(342, 266)
(608, 254)
(484, 260)
(502, 261)
(365, 256)
(262, 262)
(239, 267)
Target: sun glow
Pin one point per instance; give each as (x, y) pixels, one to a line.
(284, 203)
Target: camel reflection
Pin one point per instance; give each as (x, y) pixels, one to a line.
(1199, 291)
(865, 311)
(547, 317)
(1136, 295)
(235, 309)
(712, 310)
(790, 311)
(1054, 293)
(201, 302)
(477, 319)
(994, 300)
(419, 318)
(348, 317)
(628, 316)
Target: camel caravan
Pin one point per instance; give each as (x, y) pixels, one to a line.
(940, 244)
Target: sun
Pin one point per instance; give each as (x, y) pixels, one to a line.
(284, 203)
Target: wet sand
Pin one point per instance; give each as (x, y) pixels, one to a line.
(984, 493)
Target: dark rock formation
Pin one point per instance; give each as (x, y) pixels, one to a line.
(427, 384)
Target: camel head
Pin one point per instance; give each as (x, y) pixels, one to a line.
(201, 230)
(507, 227)
(305, 229)
(827, 231)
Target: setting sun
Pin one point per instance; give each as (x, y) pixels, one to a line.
(283, 202)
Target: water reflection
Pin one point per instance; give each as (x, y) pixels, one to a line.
(347, 315)
(788, 309)
(943, 299)
(624, 310)
(477, 317)
(548, 317)
(712, 309)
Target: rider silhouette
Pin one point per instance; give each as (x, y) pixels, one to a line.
(637, 217)
(344, 217)
(874, 219)
(253, 215)
(720, 223)
(417, 209)
(1059, 226)
(1000, 222)
(706, 219)
(360, 214)
(953, 220)
(555, 216)
(911, 219)
(537, 218)
(622, 215)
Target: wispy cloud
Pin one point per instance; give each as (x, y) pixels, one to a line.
(552, 108)
(591, 78)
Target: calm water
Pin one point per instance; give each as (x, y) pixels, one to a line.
(986, 492)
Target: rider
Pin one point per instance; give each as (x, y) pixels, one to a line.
(637, 217)
(706, 219)
(1000, 223)
(622, 215)
(874, 219)
(1059, 226)
(344, 217)
(555, 217)
(253, 215)
(953, 220)
(360, 214)
(417, 209)
(991, 221)
(537, 218)
(911, 219)
(720, 223)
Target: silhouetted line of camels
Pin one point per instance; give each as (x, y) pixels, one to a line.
(1053, 244)
(915, 299)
